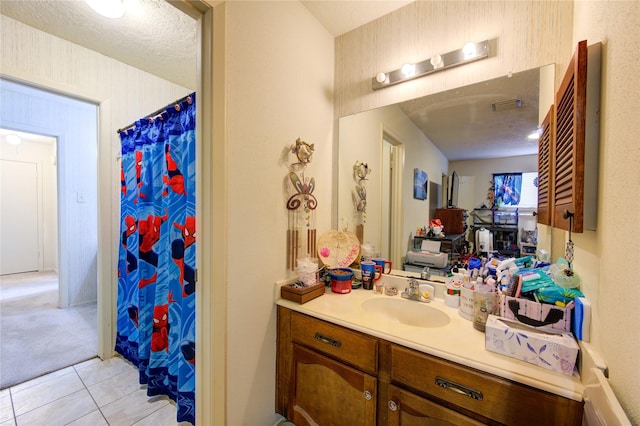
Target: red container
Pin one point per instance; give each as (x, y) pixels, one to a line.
(341, 279)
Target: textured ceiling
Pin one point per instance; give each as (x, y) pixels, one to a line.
(156, 37)
(464, 126)
(153, 35)
(340, 17)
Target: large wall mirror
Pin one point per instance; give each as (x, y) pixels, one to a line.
(475, 130)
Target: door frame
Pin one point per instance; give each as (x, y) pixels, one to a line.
(211, 205)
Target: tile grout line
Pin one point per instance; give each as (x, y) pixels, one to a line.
(90, 395)
(13, 408)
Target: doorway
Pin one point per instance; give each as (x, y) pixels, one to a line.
(58, 139)
(391, 199)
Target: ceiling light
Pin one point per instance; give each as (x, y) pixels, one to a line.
(108, 8)
(13, 139)
(535, 134)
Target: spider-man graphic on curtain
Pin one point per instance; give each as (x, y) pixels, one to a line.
(156, 265)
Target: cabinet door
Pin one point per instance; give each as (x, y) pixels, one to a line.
(407, 409)
(326, 392)
(569, 149)
(546, 145)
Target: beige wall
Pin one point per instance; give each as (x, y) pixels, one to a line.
(606, 259)
(279, 74)
(530, 34)
(523, 34)
(361, 140)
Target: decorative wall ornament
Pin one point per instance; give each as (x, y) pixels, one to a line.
(360, 173)
(301, 204)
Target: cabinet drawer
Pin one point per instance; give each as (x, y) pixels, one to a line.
(489, 396)
(405, 408)
(355, 348)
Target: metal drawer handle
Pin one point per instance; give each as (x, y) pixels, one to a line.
(327, 339)
(393, 406)
(367, 395)
(463, 390)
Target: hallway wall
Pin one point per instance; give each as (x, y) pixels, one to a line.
(74, 123)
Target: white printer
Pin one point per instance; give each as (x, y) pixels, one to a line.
(428, 255)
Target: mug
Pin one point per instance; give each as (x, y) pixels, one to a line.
(381, 262)
(369, 271)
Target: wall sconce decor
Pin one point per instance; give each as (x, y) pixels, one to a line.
(470, 52)
(360, 173)
(301, 204)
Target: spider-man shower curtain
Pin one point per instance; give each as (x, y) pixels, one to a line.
(156, 278)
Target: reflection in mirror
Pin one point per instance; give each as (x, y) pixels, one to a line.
(476, 131)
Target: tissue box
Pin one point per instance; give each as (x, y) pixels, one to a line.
(548, 348)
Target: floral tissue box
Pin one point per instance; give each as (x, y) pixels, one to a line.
(551, 349)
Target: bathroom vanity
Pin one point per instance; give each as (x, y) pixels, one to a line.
(368, 359)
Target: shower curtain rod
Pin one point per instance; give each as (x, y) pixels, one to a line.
(155, 113)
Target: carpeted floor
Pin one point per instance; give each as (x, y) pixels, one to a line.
(35, 336)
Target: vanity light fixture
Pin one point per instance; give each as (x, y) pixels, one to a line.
(108, 8)
(469, 53)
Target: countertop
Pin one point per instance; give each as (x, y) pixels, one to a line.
(457, 341)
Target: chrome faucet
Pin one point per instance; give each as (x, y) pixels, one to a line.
(412, 292)
(425, 274)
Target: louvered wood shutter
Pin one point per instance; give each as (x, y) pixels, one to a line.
(568, 167)
(545, 166)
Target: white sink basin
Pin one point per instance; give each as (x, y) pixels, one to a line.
(407, 312)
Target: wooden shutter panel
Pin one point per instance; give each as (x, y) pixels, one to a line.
(545, 166)
(568, 167)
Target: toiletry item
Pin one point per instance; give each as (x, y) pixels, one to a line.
(465, 310)
(307, 268)
(581, 319)
(368, 251)
(485, 303)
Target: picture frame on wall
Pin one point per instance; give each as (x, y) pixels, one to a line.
(420, 181)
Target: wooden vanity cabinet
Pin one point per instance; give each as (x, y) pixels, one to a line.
(408, 409)
(331, 375)
(490, 399)
(325, 373)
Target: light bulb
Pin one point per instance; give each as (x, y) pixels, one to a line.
(436, 61)
(469, 50)
(408, 70)
(381, 77)
(108, 8)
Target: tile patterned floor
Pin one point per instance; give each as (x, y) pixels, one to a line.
(92, 393)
